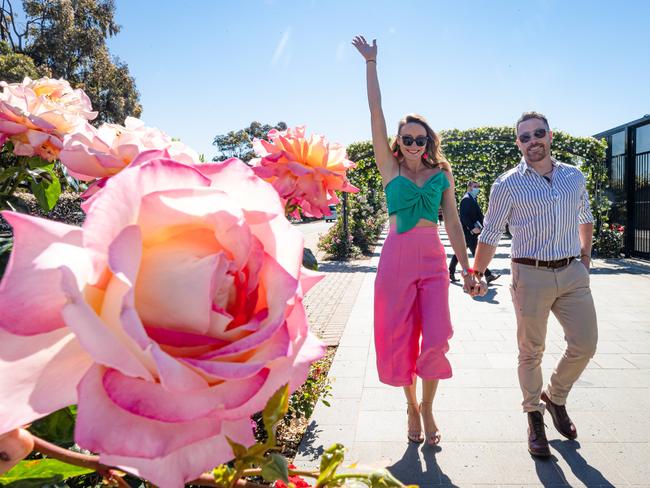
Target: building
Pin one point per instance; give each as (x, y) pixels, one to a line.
(628, 166)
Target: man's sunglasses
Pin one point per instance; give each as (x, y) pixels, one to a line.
(419, 140)
(538, 133)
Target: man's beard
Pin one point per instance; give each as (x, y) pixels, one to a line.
(534, 155)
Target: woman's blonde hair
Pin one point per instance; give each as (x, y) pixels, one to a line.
(434, 157)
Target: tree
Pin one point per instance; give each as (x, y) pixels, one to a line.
(67, 39)
(14, 66)
(239, 144)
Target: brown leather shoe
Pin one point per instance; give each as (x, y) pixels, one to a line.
(537, 442)
(561, 419)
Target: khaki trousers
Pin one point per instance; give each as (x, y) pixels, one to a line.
(565, 292)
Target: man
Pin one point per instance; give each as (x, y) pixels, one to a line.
(546, 205)
(471, 218)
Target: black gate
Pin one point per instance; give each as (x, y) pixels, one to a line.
(628, 164)
(641, 191)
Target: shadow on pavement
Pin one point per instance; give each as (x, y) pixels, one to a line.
(581, 469)
(345, 267)
(549, 473)
(409, 469)
(307, 447)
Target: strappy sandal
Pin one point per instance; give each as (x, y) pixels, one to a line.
(414, 423)
(432, 436)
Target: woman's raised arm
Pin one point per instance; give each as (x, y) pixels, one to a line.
(383, 155)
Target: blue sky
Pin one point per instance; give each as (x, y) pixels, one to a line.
(210, 66)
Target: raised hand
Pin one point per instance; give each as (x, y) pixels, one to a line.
(368, 52)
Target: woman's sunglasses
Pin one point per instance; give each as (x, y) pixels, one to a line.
(538, 133)
(419, 140)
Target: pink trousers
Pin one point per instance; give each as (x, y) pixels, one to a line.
(412, 323)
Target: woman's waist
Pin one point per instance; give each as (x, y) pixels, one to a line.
(423, 226)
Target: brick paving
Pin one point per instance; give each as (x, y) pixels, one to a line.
(329, 303)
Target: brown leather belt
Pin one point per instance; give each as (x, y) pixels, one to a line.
(558, 263)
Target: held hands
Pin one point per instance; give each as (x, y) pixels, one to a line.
(368, 52)
(473, 285)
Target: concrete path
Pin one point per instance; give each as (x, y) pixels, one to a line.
(478, 410)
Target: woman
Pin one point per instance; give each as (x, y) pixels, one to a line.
(412, 324)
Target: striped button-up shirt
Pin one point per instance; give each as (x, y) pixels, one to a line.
(543, 216)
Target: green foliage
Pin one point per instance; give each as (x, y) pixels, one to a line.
(58, 427)
(15, 66)
(329, 463)
(6, 243)
(41, 177)
(276, 468)
(366, 209)
(67, 39)
(45, 186)
(276, 408)
(303, 400)
(239, 144)
(609, 242)
(484, 153)
(40, 472)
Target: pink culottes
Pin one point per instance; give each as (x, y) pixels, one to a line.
(412, 323)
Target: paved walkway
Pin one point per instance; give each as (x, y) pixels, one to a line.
(330, 302)
(478, 410)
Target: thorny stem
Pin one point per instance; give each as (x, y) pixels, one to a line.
(92, 462)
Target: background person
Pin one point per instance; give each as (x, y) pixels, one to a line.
(471, 218)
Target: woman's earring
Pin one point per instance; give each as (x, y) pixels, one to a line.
(396, 153)
(425, 156)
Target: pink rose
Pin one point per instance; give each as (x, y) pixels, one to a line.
(35, 115)
(169, 318)
(304, 171)
(91, 153)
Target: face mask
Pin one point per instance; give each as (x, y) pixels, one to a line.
(474, 192)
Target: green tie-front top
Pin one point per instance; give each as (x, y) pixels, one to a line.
(412, 202)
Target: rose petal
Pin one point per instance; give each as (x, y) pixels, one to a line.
(104, 427)
(111, 211)
(30, 296)
(153, 401)
(38, 375)
(189, 462)
(96, 337)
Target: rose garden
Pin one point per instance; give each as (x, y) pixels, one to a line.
(161, 337)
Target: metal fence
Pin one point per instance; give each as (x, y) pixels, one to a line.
(628, 163)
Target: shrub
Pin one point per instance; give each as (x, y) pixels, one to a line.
(609, 242)
(337, 245)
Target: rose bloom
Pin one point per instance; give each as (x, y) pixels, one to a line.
(101, 153)
(35, 115)
(298, 481)
(305, 171)
(169, 318)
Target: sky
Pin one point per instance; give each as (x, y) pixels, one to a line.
(206, 67)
